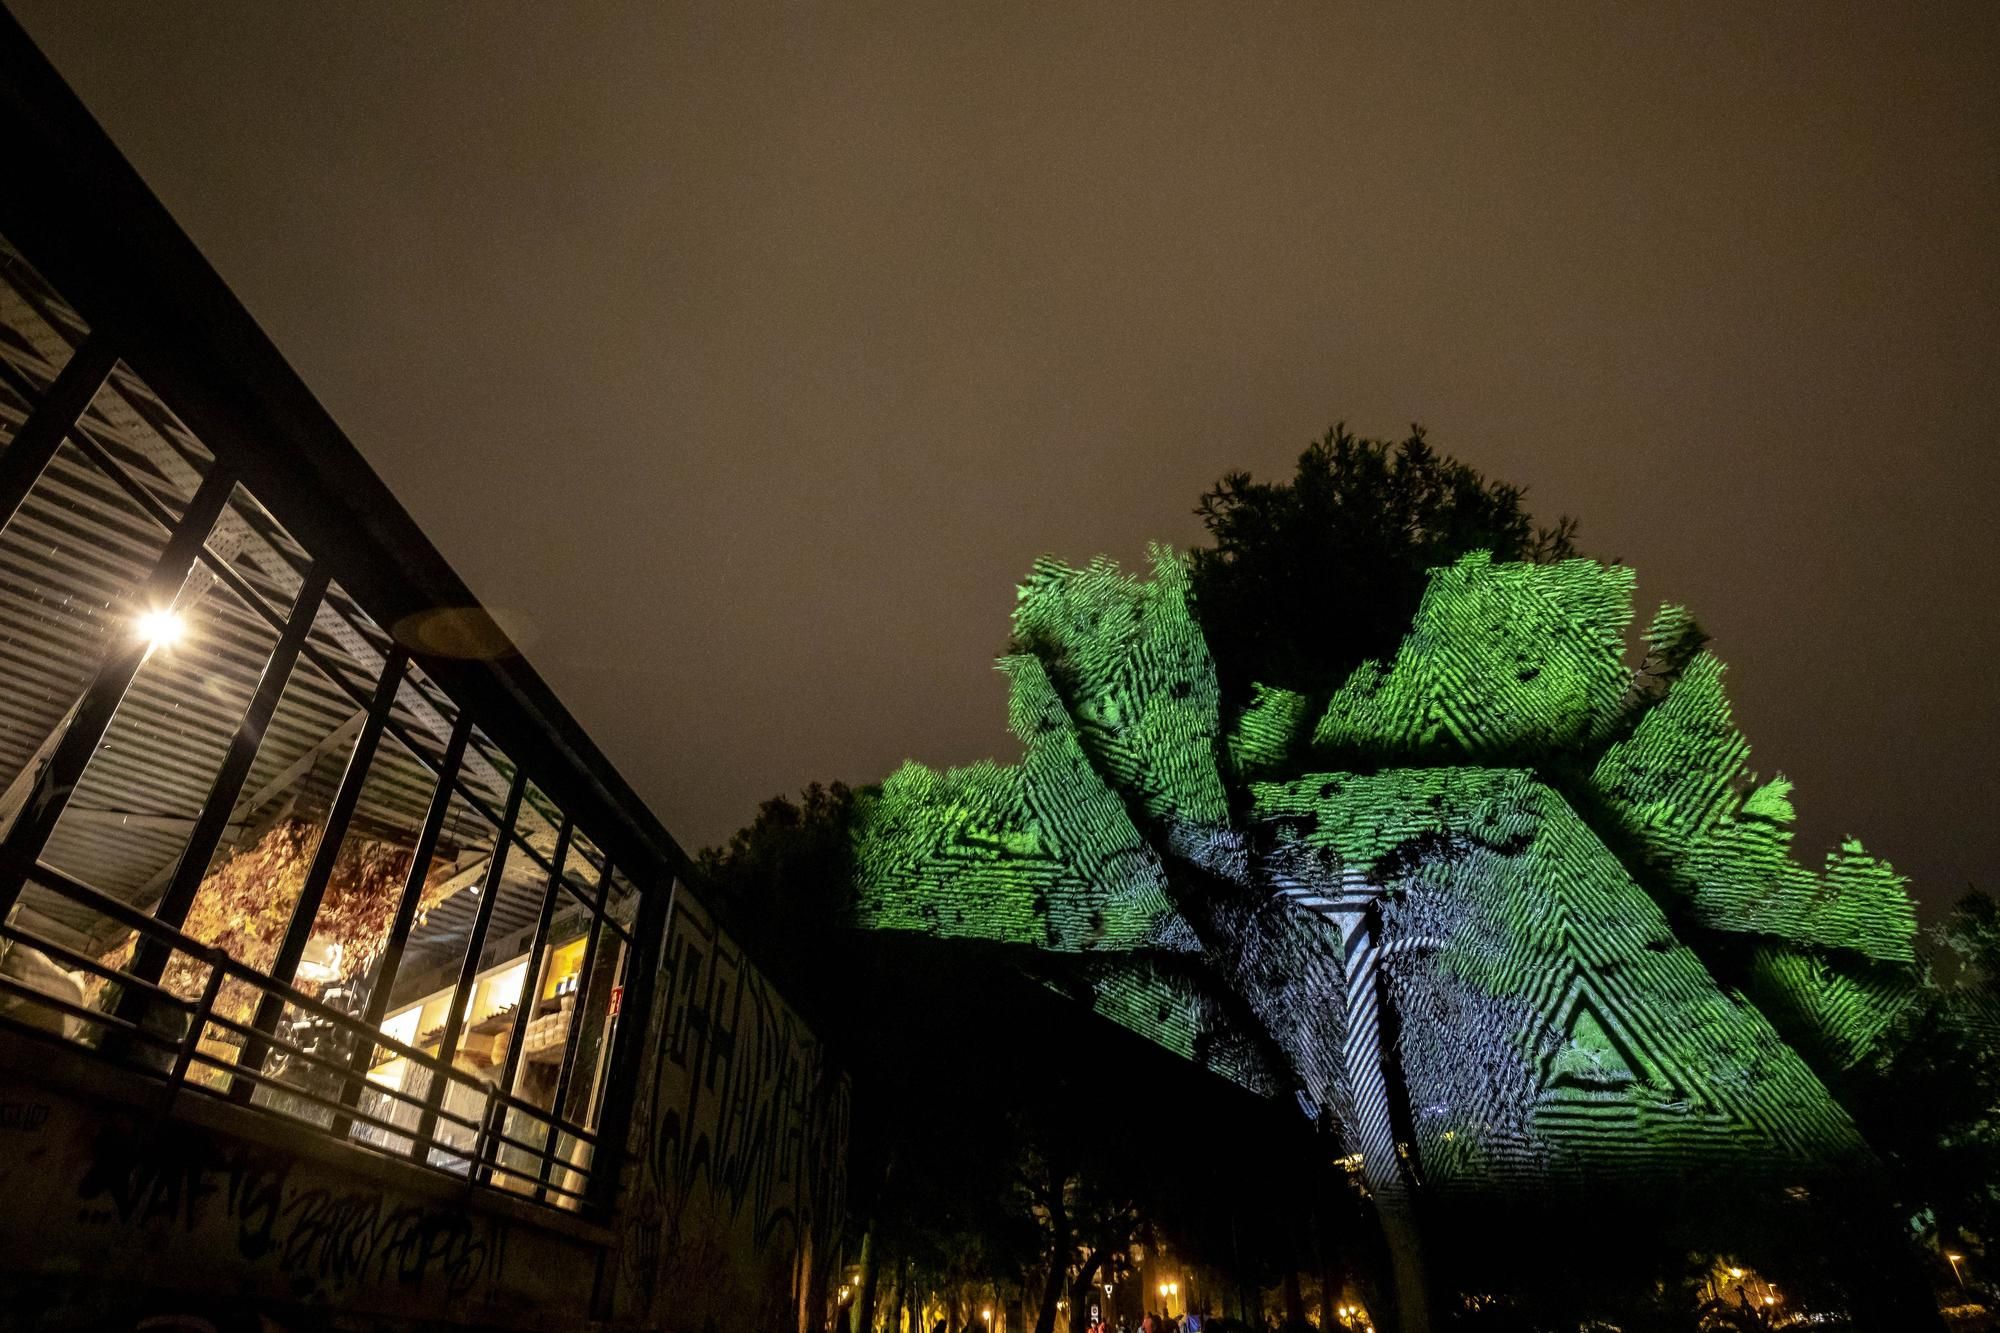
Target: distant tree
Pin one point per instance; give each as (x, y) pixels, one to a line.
(1933, 1106)
(782, 881)
(1311, 576)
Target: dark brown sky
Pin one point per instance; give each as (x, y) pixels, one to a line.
(751, 354)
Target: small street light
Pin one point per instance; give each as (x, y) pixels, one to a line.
(1953, 1258)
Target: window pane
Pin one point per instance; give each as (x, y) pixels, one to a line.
(551, 1005)
(351, 925)
(146, 440)
(486, 773)
(71, 563)
(424, 713)
(38, 332)
(245, 901)
(621, 902)
(584, 867)
(253, 545)
(136, 804)
(348, 643)
(597, 1022)
(538, 826)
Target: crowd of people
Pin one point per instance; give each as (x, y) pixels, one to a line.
(1191, 1322)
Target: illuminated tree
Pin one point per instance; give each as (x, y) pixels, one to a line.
(1493, 905)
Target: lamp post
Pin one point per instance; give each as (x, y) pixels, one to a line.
(1953, 1258)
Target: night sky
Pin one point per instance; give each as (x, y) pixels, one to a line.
(749, 355)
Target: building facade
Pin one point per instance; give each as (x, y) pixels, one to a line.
(341, 977)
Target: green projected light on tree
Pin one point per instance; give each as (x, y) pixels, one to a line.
(1530, 856)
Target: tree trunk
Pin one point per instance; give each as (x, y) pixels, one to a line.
(1295, 1304)
(1084, 1290)
(1052, 1290)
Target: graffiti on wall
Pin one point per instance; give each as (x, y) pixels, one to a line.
(740, 1148)
(322, 1240)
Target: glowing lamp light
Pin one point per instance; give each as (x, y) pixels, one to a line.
(987, 1315)
(161, 628)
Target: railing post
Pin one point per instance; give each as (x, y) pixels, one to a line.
(198, 1022)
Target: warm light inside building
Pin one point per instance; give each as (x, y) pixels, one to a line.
(161, 628)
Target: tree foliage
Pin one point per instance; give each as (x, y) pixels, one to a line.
(1309, 577)
(1931, 1105)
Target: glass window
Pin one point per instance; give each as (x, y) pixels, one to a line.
(72, 561)
(487, 773)
(38, 333)
(244, 905)
(584, 866)
(621, 902)
(350, 927)
(600, 991)
(424, 714)
(538, 826)
(545, 1038)
(348, 643)
(145, 440)
(136, 804)
(258, 550)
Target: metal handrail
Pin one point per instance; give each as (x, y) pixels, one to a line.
(181, 942)
(177, 1054)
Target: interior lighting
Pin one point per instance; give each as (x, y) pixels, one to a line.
(321, 961)
(161, 628)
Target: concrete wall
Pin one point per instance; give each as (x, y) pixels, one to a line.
(117, 1206)
(736, 1177)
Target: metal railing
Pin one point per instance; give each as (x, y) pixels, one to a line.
(482, 1135)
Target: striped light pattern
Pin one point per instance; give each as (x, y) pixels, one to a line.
(1498, 840)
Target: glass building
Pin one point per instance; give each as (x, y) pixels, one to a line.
(282, 821)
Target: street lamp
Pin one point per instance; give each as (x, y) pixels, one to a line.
(1953, 1259)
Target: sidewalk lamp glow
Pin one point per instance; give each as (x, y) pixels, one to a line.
(161, 628)
(1952, 1258)
(987, 1314)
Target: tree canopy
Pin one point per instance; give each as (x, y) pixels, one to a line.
(1309, 576)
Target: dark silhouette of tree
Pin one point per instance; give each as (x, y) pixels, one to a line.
(1309, 577)
(1931, 1106)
